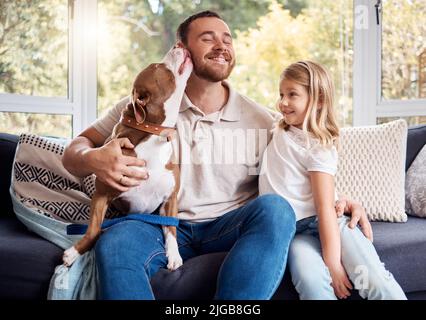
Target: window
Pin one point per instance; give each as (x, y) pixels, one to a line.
(34, 48)
(46, 66)
(73, 59)
(403, 49)
(33, 62)
(390, 54)
(37, 123)
(411, 121)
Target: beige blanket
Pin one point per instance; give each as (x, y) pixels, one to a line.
(43, 185)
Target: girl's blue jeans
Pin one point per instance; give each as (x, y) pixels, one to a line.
(311, 276)
(257, 236)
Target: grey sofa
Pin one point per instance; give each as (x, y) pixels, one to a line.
(27, 261)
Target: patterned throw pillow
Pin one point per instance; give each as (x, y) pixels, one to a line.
(42, 184)
(415, 186)
(371, 169)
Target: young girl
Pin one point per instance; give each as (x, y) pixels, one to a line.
(299, 164)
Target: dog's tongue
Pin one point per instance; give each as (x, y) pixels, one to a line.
(138, 117)
(182, 66)
(138, 111)
(185, 61)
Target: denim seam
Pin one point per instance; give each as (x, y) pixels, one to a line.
(280, 272)
(184, 244)
(275, 282)
(222, 234)
(156, 253)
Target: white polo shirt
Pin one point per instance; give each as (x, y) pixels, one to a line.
(286, 164)
(219, 153)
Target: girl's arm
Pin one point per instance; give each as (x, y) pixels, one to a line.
(323, 194)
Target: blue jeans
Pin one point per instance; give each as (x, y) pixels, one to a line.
(311, 276)
(257, 236)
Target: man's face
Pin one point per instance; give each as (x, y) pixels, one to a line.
(210, 44)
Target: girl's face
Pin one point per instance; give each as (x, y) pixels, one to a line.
(293, 102)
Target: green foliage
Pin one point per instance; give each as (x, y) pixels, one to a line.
(404, 38)
(34, 60)
(33, 47)
(321, 32)
(269, 35)
(137, 33)
(129, 48)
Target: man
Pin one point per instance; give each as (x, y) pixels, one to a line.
(218, 207)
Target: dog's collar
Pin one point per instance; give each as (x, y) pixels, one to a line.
(148, 127)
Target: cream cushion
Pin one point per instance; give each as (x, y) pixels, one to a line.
(371, 169)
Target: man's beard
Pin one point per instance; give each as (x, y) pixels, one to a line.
(209, 73)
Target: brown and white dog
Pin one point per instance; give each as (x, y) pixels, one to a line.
(148, 121)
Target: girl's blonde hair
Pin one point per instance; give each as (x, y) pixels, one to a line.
(320, 121)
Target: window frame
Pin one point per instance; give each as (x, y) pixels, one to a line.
(82, 73)
(368, 104)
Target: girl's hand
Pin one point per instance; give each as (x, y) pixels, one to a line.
(340, 282)
(360, 216)
(340, 207)
(357, 213)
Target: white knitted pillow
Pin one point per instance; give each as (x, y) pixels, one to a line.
(372, 169)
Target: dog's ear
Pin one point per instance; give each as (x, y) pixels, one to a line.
(139, 103)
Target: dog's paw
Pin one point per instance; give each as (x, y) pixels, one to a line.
(69, 256)
(172, 252)
(175, 260)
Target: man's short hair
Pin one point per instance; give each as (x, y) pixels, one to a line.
(182, 30)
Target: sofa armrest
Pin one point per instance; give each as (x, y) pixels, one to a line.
(8, 143)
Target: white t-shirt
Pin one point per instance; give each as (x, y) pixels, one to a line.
(286, 163)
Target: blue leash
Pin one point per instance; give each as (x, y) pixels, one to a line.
(76, 228)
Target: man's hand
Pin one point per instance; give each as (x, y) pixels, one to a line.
(358, 215)
(113, 168)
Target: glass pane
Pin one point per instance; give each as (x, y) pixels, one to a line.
(404, 49)
(34, 47)
(41, 124)
(411, 121)
(267, 37)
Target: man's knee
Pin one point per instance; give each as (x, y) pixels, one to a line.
(124, 241)
(276, 210)
(107, 243)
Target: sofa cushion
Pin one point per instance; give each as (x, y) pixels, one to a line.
(195, 280)
(7, 152)
(27, 262)
(402, 247)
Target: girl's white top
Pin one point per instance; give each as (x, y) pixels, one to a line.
(286, 163)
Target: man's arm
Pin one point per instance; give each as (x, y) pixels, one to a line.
(86, 154)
